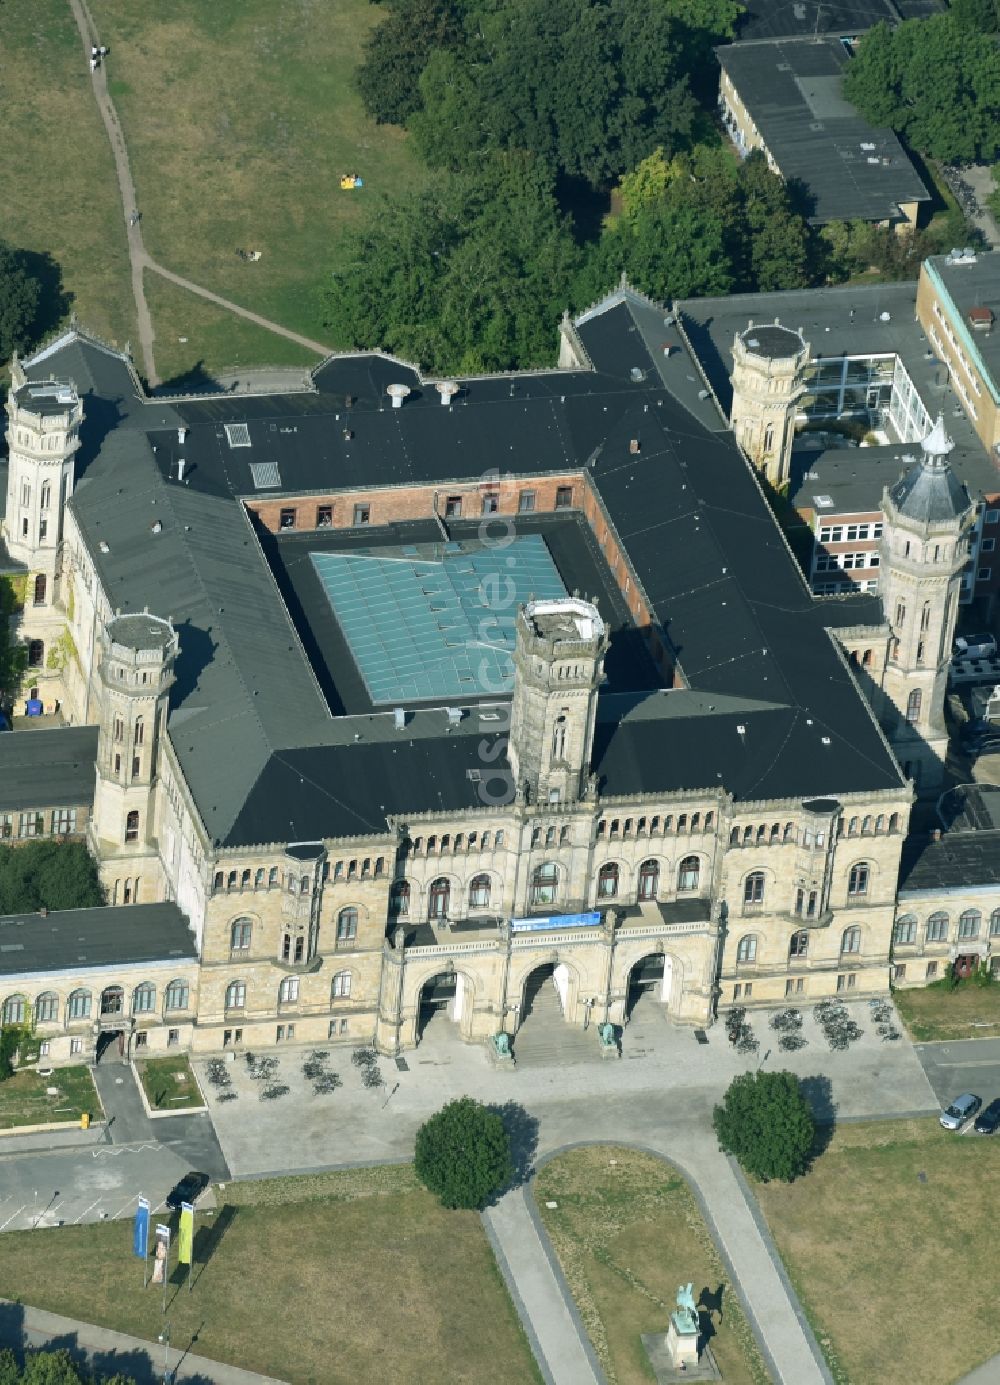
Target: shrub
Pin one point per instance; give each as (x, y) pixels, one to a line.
(765, 1121)
(463, 1154)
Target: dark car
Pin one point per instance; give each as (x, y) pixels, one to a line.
(4, 722)
(988, 1120)
(189, 1189)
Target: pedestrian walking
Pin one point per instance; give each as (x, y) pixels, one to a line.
(93, 64)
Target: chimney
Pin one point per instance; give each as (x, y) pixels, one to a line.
(181, 435)
(397, 393)
(447, 389)
(180, 468)
(633, 446)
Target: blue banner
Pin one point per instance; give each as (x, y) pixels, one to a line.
(547, 921)
(140, 1230)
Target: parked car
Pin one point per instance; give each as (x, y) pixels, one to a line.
(4, 722)
(189, 1189)
(988, 1120)
(963, 1108)
(981, 646)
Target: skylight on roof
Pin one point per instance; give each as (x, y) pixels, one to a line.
(266, 475)
(237, 434)
(823, 502)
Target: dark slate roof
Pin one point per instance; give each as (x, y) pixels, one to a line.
(805, 18)
(79, 939)
(266, 760)
(960, 860)
(929, 492)
(47, 768)
(792, 91)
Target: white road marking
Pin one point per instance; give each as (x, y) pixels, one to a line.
(12, 1216)
(969, 1063)
(121, 1212)
(79, 1219)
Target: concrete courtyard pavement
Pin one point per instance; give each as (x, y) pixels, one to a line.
(962, 1065)
(75, 1176)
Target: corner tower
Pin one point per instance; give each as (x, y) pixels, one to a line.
(137, 670)
(43, 434)
(768, 364)
(558, 669)
(924, 547)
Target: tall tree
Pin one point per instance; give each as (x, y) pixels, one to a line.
(765, 1121)
(669, 249)
(776, 236)
(49, 874)
(936, 81)
(20, 295)
(396, 53)
(471, 273)
(463, 1154)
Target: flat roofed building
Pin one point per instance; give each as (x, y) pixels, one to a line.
(785, 97)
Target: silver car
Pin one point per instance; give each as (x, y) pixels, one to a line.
(963, 1108)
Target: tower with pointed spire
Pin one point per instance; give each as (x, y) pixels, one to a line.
(924, 547)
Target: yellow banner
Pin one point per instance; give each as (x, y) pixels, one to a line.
(185, 1235)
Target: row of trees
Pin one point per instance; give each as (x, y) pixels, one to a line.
(51, 1368)
(31, 298)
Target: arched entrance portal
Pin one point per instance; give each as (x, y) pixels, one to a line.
(442, 997)
(649, 983)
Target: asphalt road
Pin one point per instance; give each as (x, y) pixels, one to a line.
(964, 1065)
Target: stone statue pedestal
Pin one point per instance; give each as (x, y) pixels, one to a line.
(682, 1345)
(674, 1355)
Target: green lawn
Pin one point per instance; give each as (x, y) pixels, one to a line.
(193, 335)
(935, 1012)
(888, 1242)
(169, 1083)
(240, 117)
(366, 1278)
(24, 1098)
(627, 1231)
(60, 194)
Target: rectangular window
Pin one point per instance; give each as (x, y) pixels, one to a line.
(75, 1046)
(491, 503)
(142, 1040)
(227, 1037)
(344, 1026)
(287, 519)
(564, 497)
(992, 517)
(324, 516)
(906, 931)
(526, 502)
(737, 991)
(899, 971)
(6, 824)
(238, 1036)
(453, 507)
(984, 574)
(31, 825)
(279, 1034)
(987, 545)
(44, 1049)
(747, 990)
(362, 515)
(63, 821)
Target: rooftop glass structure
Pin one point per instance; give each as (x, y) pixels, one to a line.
(436, 621)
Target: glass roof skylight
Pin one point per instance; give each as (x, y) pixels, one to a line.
(436, 622)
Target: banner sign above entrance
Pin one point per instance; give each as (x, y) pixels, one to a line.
(543, 923)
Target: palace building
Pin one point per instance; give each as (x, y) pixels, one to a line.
(388, 693)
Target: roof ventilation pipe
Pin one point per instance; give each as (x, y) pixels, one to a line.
(180, 468)
(397, 393)
(181, 436)
(447, 389)
(399, 718)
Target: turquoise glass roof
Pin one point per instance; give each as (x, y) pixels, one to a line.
(436, 623)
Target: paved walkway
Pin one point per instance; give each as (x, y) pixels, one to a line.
(540, 1293)
(986, 1374)
(108, 1352)
(139, 258)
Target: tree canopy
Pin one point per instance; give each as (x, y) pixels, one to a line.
(463, 1154)
(396, 53)
(20, 297)
(47, 874)
(765, 1121)
(469, 274)
(934, 81)
(51, 1368)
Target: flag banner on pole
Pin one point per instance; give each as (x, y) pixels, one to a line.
(140, 1230)
(185, 1235)
(162, 1255)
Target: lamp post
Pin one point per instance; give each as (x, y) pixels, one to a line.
(164, 1337)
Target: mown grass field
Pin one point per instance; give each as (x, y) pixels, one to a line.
(60, 194)
(627, 1231)
(240, 117)
(888, 1242)
(169, 1083)
(935, 1013)
(24, 1098)
(333, 1280)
